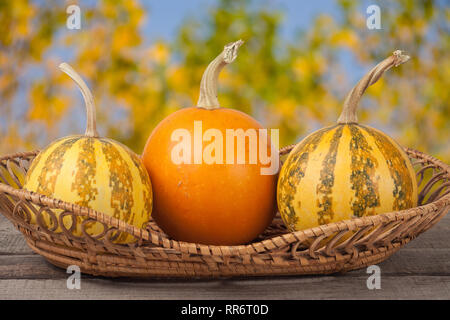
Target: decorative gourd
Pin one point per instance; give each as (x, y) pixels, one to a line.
(346, 170)
(218, 204)
(93, 172)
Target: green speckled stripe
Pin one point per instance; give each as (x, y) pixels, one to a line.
(85, 174)
(297, 162)
(120, 181)
(324, 188)
(52, 167)
(147, 195)
(363, 165)
(403, 188)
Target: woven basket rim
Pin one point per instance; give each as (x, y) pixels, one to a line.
(160, 239)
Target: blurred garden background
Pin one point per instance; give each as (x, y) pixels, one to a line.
(144, 60)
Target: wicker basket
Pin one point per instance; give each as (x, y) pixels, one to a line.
(350, 244)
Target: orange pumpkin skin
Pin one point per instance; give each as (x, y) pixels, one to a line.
(218, 204)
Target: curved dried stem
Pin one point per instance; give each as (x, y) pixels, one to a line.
(351, 102)
(208, 85)
(91, 128)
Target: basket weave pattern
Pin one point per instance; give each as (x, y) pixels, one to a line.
(335, 247)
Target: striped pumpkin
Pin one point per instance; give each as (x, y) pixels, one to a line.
(347, 170)
(93, 172)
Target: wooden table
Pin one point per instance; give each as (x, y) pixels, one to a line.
(420, 270)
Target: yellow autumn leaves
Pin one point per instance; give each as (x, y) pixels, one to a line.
(295, 84)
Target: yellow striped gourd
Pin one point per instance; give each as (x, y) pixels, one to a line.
(346, 170)
(93, 172)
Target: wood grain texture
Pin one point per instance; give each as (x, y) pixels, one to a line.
(421, 270)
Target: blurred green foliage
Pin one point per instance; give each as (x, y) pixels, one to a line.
(296, 85)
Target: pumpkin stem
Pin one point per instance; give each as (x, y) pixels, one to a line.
(91, 128)
(208, 85)
(351, 102)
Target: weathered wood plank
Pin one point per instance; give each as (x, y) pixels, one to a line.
(14, 244)
(406, 262)
(11, 240)
(28, 267)
(6, 227)
(415, 287)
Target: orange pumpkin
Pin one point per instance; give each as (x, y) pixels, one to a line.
(210, 203)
